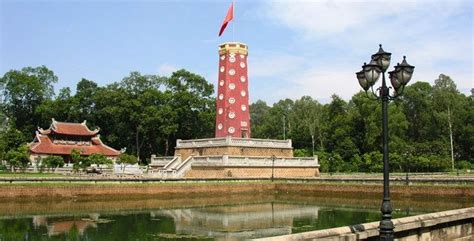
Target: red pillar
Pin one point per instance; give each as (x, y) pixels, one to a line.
(232, 102)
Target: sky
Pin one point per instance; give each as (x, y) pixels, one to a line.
(296, 48)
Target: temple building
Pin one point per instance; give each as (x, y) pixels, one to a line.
(232, 153)
(63, 137)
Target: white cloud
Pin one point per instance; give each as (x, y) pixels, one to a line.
(323, 82)
(345, 33)
(265, 64)
(166, 69)
(326, 17)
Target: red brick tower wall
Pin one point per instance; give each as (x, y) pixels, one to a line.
(232, 102)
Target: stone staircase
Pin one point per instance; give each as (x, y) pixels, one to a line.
(175, 167)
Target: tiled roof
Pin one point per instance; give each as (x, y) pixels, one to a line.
(46, 146)
(67, 128)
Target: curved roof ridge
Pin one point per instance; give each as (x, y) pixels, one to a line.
(72, 128)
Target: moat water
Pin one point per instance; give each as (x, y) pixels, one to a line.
(199, 218)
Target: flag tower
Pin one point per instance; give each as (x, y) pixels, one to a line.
(232, 102)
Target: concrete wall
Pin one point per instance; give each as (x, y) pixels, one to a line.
(448, 225)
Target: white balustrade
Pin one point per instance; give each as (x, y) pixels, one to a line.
(233, 141)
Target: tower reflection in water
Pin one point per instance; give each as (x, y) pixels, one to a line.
(239, 222)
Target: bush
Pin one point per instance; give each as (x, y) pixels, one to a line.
(301, 153)
(464, 165)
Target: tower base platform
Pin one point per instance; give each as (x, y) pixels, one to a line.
(231, 157)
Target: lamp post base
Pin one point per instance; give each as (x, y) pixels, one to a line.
(386, 230)
(386, 225)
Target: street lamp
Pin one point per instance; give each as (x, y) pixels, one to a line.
(399, 77)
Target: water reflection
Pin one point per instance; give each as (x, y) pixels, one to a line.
(239, 222)
(200, 218)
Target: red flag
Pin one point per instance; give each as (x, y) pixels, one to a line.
(228, 17)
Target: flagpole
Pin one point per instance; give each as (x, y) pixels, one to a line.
(233, 24)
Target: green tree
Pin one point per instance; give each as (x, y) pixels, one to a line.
(338, 129)
(52, 162)
(191, 99)
(99, 159)
(125, 158)
(18, 158)
(259, 113)
(135, 114)
(22, 92)
(307, 123)
(84, 100)
(10, 138)
(365, 116)
(79, 162)
(463, 131)
(446, 99)
(63, 108)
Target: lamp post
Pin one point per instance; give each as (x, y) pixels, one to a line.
(399, 77)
